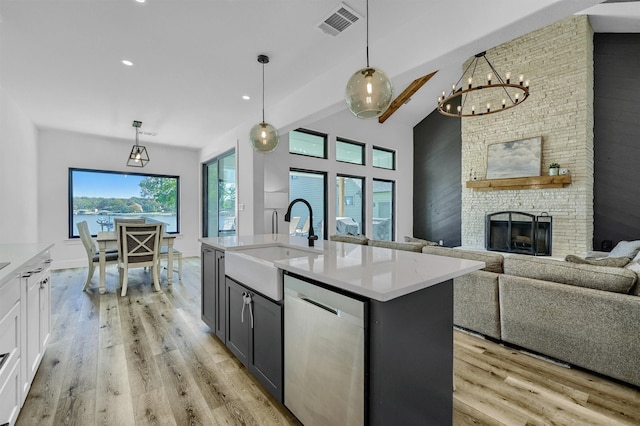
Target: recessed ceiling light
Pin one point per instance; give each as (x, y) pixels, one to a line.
(140, 1)
(246, 97)
(127, 62)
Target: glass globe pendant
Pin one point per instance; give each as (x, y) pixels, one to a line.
(263, 136)
(369, 93)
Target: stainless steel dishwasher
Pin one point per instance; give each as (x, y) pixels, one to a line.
(323, 355)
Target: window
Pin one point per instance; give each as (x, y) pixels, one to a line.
(383, 207)
(384, 158)
(349, 205)
(99, 196)
(306, 142)
(219, 204)
(310, 186)
(349, 152)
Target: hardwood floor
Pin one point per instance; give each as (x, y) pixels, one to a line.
(148, 359)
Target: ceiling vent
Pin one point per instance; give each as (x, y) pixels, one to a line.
(339, 20)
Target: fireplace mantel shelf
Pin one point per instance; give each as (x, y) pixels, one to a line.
(531, 182)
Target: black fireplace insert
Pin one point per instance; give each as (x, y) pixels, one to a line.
(518, 232)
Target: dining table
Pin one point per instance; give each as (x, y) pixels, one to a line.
(108, 239)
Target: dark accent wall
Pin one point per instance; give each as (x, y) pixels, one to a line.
(616, 138)
(437, 190)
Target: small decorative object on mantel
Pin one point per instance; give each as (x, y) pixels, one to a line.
(554, 169)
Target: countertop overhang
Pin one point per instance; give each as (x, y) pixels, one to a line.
(18, 255)
(378, 273)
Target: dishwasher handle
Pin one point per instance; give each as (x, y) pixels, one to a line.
(319, 305)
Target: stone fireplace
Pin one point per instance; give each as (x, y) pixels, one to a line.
(518, 232)
(560, 110)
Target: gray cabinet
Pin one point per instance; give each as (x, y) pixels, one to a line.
(254, 334)
(213, 290)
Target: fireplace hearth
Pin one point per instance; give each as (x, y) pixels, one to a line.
(519, 232)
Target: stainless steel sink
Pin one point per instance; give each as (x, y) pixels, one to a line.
(253, 266)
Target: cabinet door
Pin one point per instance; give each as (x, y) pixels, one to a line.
(238, 320)
(10, 399)
(33, 347)
(208, 277)
(220, 291)
(45, 312)
(265, 361)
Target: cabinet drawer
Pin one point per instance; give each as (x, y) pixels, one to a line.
(9, 296)
(10, 392)
(10, 334)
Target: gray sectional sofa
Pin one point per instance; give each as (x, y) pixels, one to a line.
(586, 315)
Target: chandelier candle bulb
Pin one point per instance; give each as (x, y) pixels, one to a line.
(488, 107)
(504, 103)
(526, 83)
(473, 110)
(508, 75)
(459, 109)
(448, 107)
(521, 79)
(489, 79)
(470, 81)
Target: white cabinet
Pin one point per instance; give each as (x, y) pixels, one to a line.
(10, 324)
(25, 322)
(36, 291)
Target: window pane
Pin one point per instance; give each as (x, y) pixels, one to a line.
(219, 180)
(384, 158)
(99, 197)
(311, 187)
(307, 143)
(349, 152)
(227, 195)
(383, 202)
(349, 205)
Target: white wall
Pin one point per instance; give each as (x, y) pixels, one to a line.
(59, 150)
(18, 174)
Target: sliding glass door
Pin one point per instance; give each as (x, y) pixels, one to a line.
(219, 196)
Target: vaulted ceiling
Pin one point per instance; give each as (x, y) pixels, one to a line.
(193, 60)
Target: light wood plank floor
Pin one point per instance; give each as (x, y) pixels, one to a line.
(148, 359)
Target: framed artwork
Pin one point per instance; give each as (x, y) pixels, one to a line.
(512, 159)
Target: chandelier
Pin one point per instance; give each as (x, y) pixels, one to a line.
(495, 94)
(138, 157)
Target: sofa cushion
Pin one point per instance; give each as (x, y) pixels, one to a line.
(419, 240)
(617, 280)
(626, 249)
(493, 261)
(417, 247)
(353, 239)
(617, 262)
(635, 267)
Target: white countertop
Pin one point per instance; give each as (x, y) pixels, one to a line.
(375, 272)
(18, 255)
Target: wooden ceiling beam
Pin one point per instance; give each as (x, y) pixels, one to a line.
(405, 96)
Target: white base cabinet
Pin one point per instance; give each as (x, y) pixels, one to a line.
(25, 326)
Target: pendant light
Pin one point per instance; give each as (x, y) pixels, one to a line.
(138, 157)
(263, 136)
(369, 91)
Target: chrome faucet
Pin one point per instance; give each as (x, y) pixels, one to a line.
(287, 218)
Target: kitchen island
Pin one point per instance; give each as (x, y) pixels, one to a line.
(407, 327)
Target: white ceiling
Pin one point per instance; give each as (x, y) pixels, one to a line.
(194, 59)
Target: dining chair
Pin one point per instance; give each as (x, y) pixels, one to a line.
(119, 220)
(177, 255)
(138, 247)
(293, 225)
(93, 255)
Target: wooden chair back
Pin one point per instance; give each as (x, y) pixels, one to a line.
(139, 244)
(88, 242)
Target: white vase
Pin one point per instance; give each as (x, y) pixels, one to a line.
(553, 171)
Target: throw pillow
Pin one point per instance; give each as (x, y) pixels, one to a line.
(616, 262)
(625, 249)
(419, 240)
